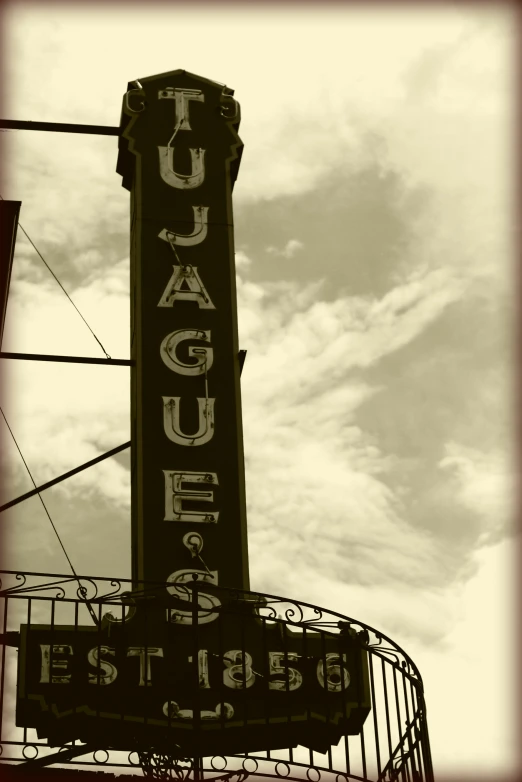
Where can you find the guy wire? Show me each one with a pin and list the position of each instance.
(90, 608)
(61, 286)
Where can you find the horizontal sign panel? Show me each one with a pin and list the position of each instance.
(233, 683)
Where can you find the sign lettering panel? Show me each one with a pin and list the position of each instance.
(179, 155)
(234, 683)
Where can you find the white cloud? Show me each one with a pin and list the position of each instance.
(40, 319)
(314, 478)
(317, 343)
(485, 484)
(242, 260)
(77, 411)
(69, 191)
(325, 528)
(288, 251)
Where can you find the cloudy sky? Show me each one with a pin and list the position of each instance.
(375, 227)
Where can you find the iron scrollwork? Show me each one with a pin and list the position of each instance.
(124, 599)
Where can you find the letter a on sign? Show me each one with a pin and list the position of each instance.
(185, 285)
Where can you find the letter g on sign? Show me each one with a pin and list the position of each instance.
(204, 355)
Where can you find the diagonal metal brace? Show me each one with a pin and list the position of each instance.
(56, 757)
(54, 481)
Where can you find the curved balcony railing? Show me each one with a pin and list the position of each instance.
(382, 734)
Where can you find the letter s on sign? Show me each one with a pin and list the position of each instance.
(206, 602)
(109, 670)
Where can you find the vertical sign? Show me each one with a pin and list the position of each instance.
(218, 677)
(179, 156)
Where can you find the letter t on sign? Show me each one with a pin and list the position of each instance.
(182, 98)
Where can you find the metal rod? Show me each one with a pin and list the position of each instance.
(397, 707)
(56, 757)
(54, 481)
(116, 362)
(375, 726)
(409, 729)
(119, 362)
(387, 711)
(2, 670)
(27, 639)
(417, 714)
(363, 743)
(60, 127)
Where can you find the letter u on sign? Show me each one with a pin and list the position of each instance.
(182, 181)
(171, 424)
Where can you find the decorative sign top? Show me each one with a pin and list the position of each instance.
(220, 114)
(179, 155)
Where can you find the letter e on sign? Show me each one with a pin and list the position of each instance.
(175, 495)
(59, 664)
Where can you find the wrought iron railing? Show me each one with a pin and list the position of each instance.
(381, 734)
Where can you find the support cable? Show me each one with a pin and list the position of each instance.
(61, 286)
(91, 610)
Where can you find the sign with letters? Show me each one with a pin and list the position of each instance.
(194, 662)
(231, 682)
(179, 156)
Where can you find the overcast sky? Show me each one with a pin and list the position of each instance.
(374, 227)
